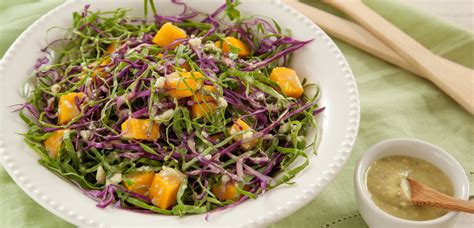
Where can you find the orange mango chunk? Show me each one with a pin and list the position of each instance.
(140, 129)
(164, 187)
(139, 182)
(67, 108)
(111, 48)
(183, 84)
(186, 66)
(227, 191)
(53, 143)
(203, 109)
(204, 95)
(237, 128)
(288, 81)
(99, 68)
(204, 103)
(234, 42)
(167, 34)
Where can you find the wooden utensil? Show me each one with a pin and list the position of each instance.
(423, 195)
(353, 34)
(457, 82)
(357, 36)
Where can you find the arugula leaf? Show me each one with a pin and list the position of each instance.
(231, 10)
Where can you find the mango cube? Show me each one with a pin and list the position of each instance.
(203, 109)
(205, 94)
(225, 191)
(164, 188)
(204, 104)
(186, 66)
(111, 48)
(67, 108)
(139, 182)
(237, 128)
(234, 42)
(183, 84)
(288, 81)
(53, 143)
(100, 67)
(167, 34)
(140, 129)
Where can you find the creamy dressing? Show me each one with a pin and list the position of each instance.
(386, 180)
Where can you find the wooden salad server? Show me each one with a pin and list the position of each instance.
(353, 34)
(455, 80)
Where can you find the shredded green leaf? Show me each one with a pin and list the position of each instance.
(191, 97)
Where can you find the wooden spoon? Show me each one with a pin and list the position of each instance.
(455, 81)
(423, 195)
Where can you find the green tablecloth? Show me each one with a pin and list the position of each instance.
(394, 104)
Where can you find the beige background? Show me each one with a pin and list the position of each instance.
(460, 12)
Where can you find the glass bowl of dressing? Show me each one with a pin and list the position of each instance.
(383, 194)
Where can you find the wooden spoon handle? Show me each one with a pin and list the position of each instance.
(353, 34)
(456, 81)
(357, 36)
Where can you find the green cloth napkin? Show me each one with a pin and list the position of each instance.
(394, 103)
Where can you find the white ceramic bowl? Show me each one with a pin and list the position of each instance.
(376, 217)
(320, 62)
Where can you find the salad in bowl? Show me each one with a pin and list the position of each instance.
(174, 115)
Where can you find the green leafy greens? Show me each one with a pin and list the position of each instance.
(114, 62)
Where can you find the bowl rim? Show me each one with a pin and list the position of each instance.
(363, 165)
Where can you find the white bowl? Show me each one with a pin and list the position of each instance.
(320, 62)
(376, 217)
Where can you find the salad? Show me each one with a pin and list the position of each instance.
(174, 115)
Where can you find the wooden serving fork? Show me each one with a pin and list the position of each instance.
(456, 81)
